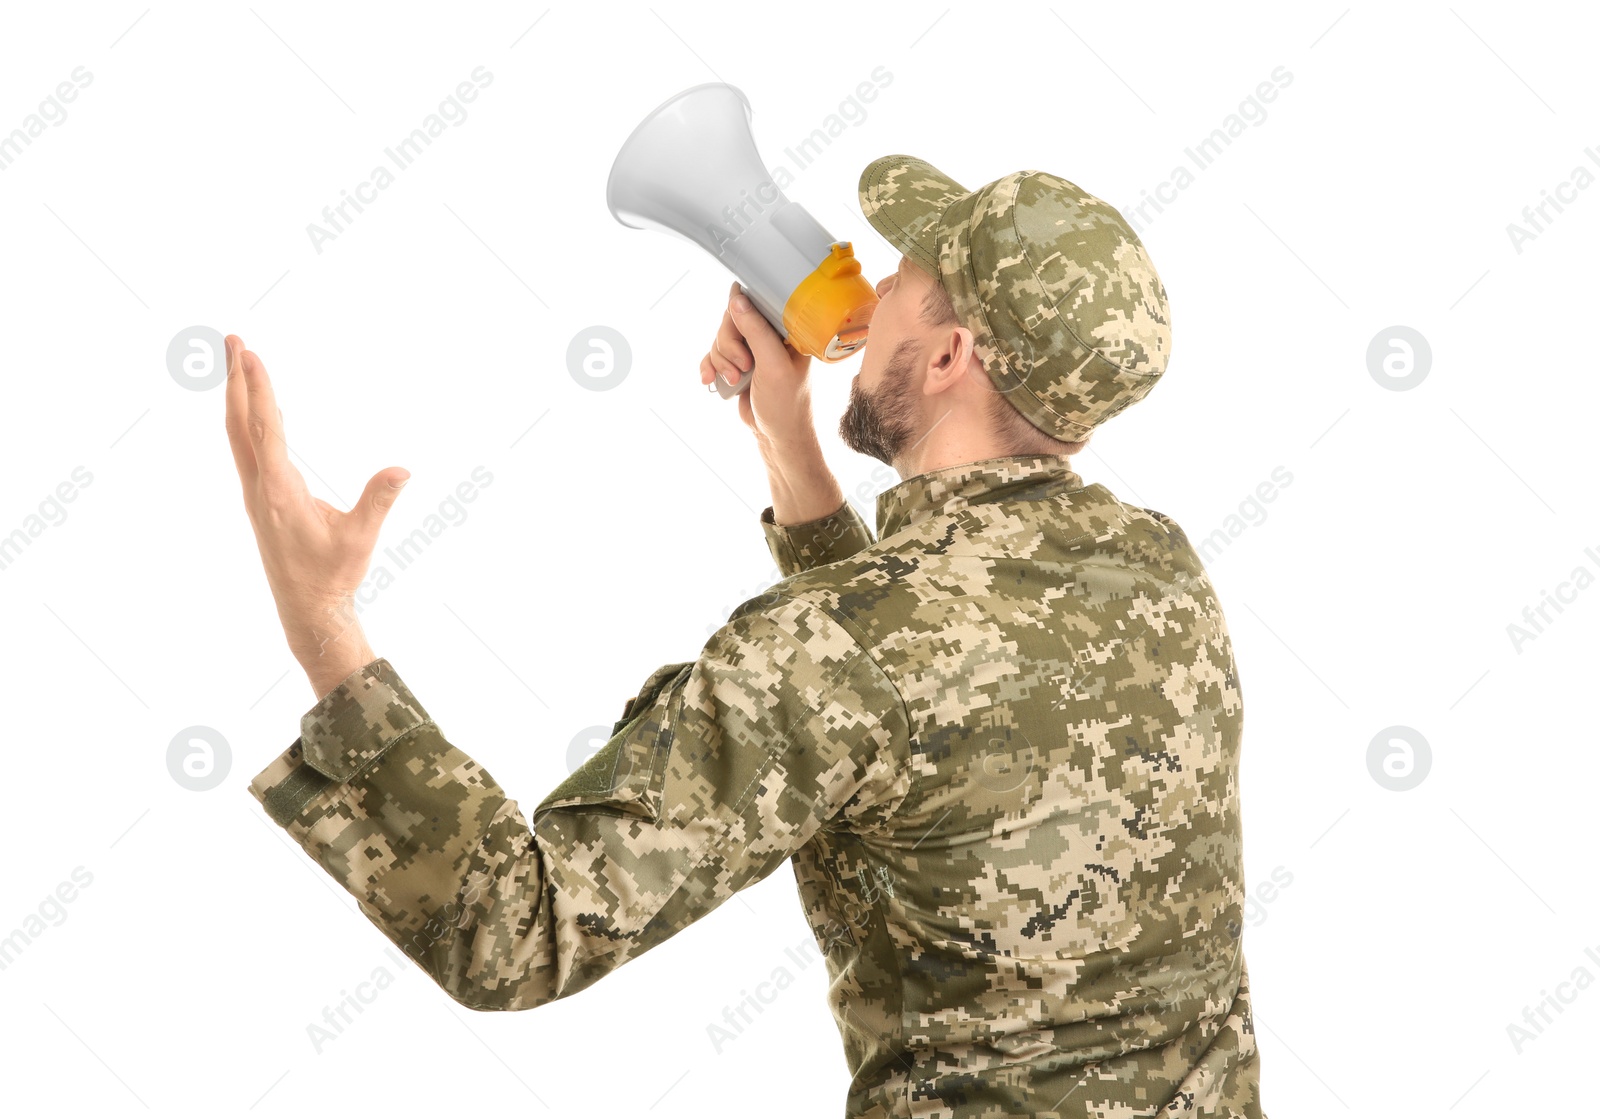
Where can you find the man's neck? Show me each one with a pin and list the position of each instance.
(947, 443)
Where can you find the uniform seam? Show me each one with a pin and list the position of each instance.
(863, 650)
(668, 731)
(772, 755)
(1086, 534)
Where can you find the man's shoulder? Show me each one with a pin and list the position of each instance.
(786, 625)
(831, 600)
(1158, 537)
(956, 550)
(956, 580)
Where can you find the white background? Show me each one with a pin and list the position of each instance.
(620, 527)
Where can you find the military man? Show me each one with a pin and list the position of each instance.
(998, 743)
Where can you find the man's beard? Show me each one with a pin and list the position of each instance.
(883, 425)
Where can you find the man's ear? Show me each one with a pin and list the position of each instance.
(948, 359)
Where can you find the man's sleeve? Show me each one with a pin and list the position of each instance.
(718, 771)
(797, 548)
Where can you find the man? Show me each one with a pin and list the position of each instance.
(999, 744)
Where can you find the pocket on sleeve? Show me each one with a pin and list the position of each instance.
(626, 774)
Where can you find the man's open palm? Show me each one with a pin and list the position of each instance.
(315, 556)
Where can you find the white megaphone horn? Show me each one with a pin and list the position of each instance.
(691, 169)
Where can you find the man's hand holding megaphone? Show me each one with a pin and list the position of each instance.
(777, 407)
(781, 410)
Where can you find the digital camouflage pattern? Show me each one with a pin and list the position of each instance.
(1067, 312)
(999, 746)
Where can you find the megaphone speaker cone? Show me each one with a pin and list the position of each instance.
(691, 168)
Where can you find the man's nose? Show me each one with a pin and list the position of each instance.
(882, 284)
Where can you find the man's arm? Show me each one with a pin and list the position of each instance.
(718, 771)
(809, 523)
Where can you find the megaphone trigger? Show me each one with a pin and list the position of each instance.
(727, 391)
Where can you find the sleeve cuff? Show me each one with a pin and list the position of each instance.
(340, 736)
(797, 548)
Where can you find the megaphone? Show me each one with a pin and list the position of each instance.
(691, 169)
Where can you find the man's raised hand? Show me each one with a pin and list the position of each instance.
(315, 556)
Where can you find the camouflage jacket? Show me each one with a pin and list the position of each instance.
(999, 746)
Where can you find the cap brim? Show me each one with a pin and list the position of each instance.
(902, 197)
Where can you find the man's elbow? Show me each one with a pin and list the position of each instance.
(500, 996)
(485, 971)
(511, 985)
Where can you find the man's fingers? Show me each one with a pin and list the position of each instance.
(376, 501)
(721, 364)
(755, 335)
(731, 340)
(731, 344)
(237, 418)
(266, 434)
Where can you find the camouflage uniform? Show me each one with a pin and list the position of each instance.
(999, 746)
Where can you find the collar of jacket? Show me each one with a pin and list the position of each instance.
(948, 488)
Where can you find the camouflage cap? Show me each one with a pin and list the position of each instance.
(1067, 312)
